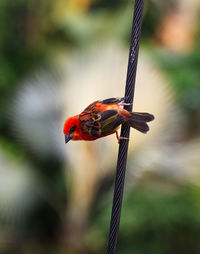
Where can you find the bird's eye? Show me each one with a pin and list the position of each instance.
(72, 129)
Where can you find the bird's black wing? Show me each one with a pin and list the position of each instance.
(101, 123)
(113, 100)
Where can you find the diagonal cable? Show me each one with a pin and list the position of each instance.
(123, 147)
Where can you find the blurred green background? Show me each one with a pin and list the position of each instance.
(57, 56)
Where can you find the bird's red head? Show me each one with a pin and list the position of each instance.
(71, 128)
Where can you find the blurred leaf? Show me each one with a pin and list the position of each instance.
(155, 221)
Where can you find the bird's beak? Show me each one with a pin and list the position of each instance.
(68, 138)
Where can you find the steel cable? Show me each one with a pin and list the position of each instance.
(125, 131)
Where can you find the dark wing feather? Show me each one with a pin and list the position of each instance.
(110, 119)
(101, 123)
(112, 100)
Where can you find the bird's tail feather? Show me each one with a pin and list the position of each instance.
(139, 121)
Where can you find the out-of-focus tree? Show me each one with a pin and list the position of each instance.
(158, 216)
(76, 33)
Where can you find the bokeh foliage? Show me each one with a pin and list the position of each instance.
(154, 220)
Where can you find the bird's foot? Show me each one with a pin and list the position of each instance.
(122, 103)
(120, 138)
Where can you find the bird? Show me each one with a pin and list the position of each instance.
(102, 118)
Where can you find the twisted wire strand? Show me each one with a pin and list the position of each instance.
(125, 131)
